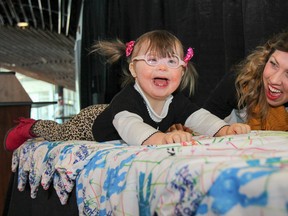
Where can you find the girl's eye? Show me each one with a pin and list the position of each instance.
(171, 61)
(152, 59)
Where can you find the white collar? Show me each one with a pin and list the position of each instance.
(152, 113)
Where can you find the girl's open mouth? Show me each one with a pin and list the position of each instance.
(161, 82)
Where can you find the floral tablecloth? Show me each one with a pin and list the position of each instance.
(231, 175)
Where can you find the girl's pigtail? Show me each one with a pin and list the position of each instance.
(111, 50)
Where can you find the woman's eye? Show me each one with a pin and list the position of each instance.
(273, 64)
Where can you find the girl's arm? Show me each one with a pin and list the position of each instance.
(203, 122)
(134, 131)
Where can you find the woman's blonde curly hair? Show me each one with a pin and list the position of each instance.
(249, 82)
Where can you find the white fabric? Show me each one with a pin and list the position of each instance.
(114, 179)
(131, 128)
(204, 122)
(152, 113)
(236, 116)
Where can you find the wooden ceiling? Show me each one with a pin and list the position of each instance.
(45, 49)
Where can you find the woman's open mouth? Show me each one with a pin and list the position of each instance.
(273, 93)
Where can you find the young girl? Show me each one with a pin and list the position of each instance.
(146, 107)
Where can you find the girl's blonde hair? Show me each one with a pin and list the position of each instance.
(249, 82)
(161, 41)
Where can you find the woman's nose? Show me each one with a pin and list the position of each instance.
(276, 78)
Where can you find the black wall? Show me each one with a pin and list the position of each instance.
(222, 32)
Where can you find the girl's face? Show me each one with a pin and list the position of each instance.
(159, 81)
(275, 78)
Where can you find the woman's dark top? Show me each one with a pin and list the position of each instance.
(223, 98)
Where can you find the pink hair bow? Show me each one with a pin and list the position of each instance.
(189, 55)
(129, 48)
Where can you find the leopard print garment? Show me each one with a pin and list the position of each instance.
(78, 127)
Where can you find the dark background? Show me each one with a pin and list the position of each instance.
(222, 32)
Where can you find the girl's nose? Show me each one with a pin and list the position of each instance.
(162, 65)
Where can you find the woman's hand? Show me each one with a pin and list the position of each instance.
(237, 128)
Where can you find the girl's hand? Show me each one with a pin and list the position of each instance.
(176, 136)
(179, 127)
(237, 128)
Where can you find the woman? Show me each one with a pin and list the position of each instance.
(257, 93)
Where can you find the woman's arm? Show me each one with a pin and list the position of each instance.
(223, 98)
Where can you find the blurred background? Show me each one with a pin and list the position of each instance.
(46, 43)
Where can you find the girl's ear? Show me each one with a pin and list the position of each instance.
(132, 70)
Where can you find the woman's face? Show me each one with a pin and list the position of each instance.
(157, 82)
(275, 78)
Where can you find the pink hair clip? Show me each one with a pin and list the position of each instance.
(129, 48)
(189, 55)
